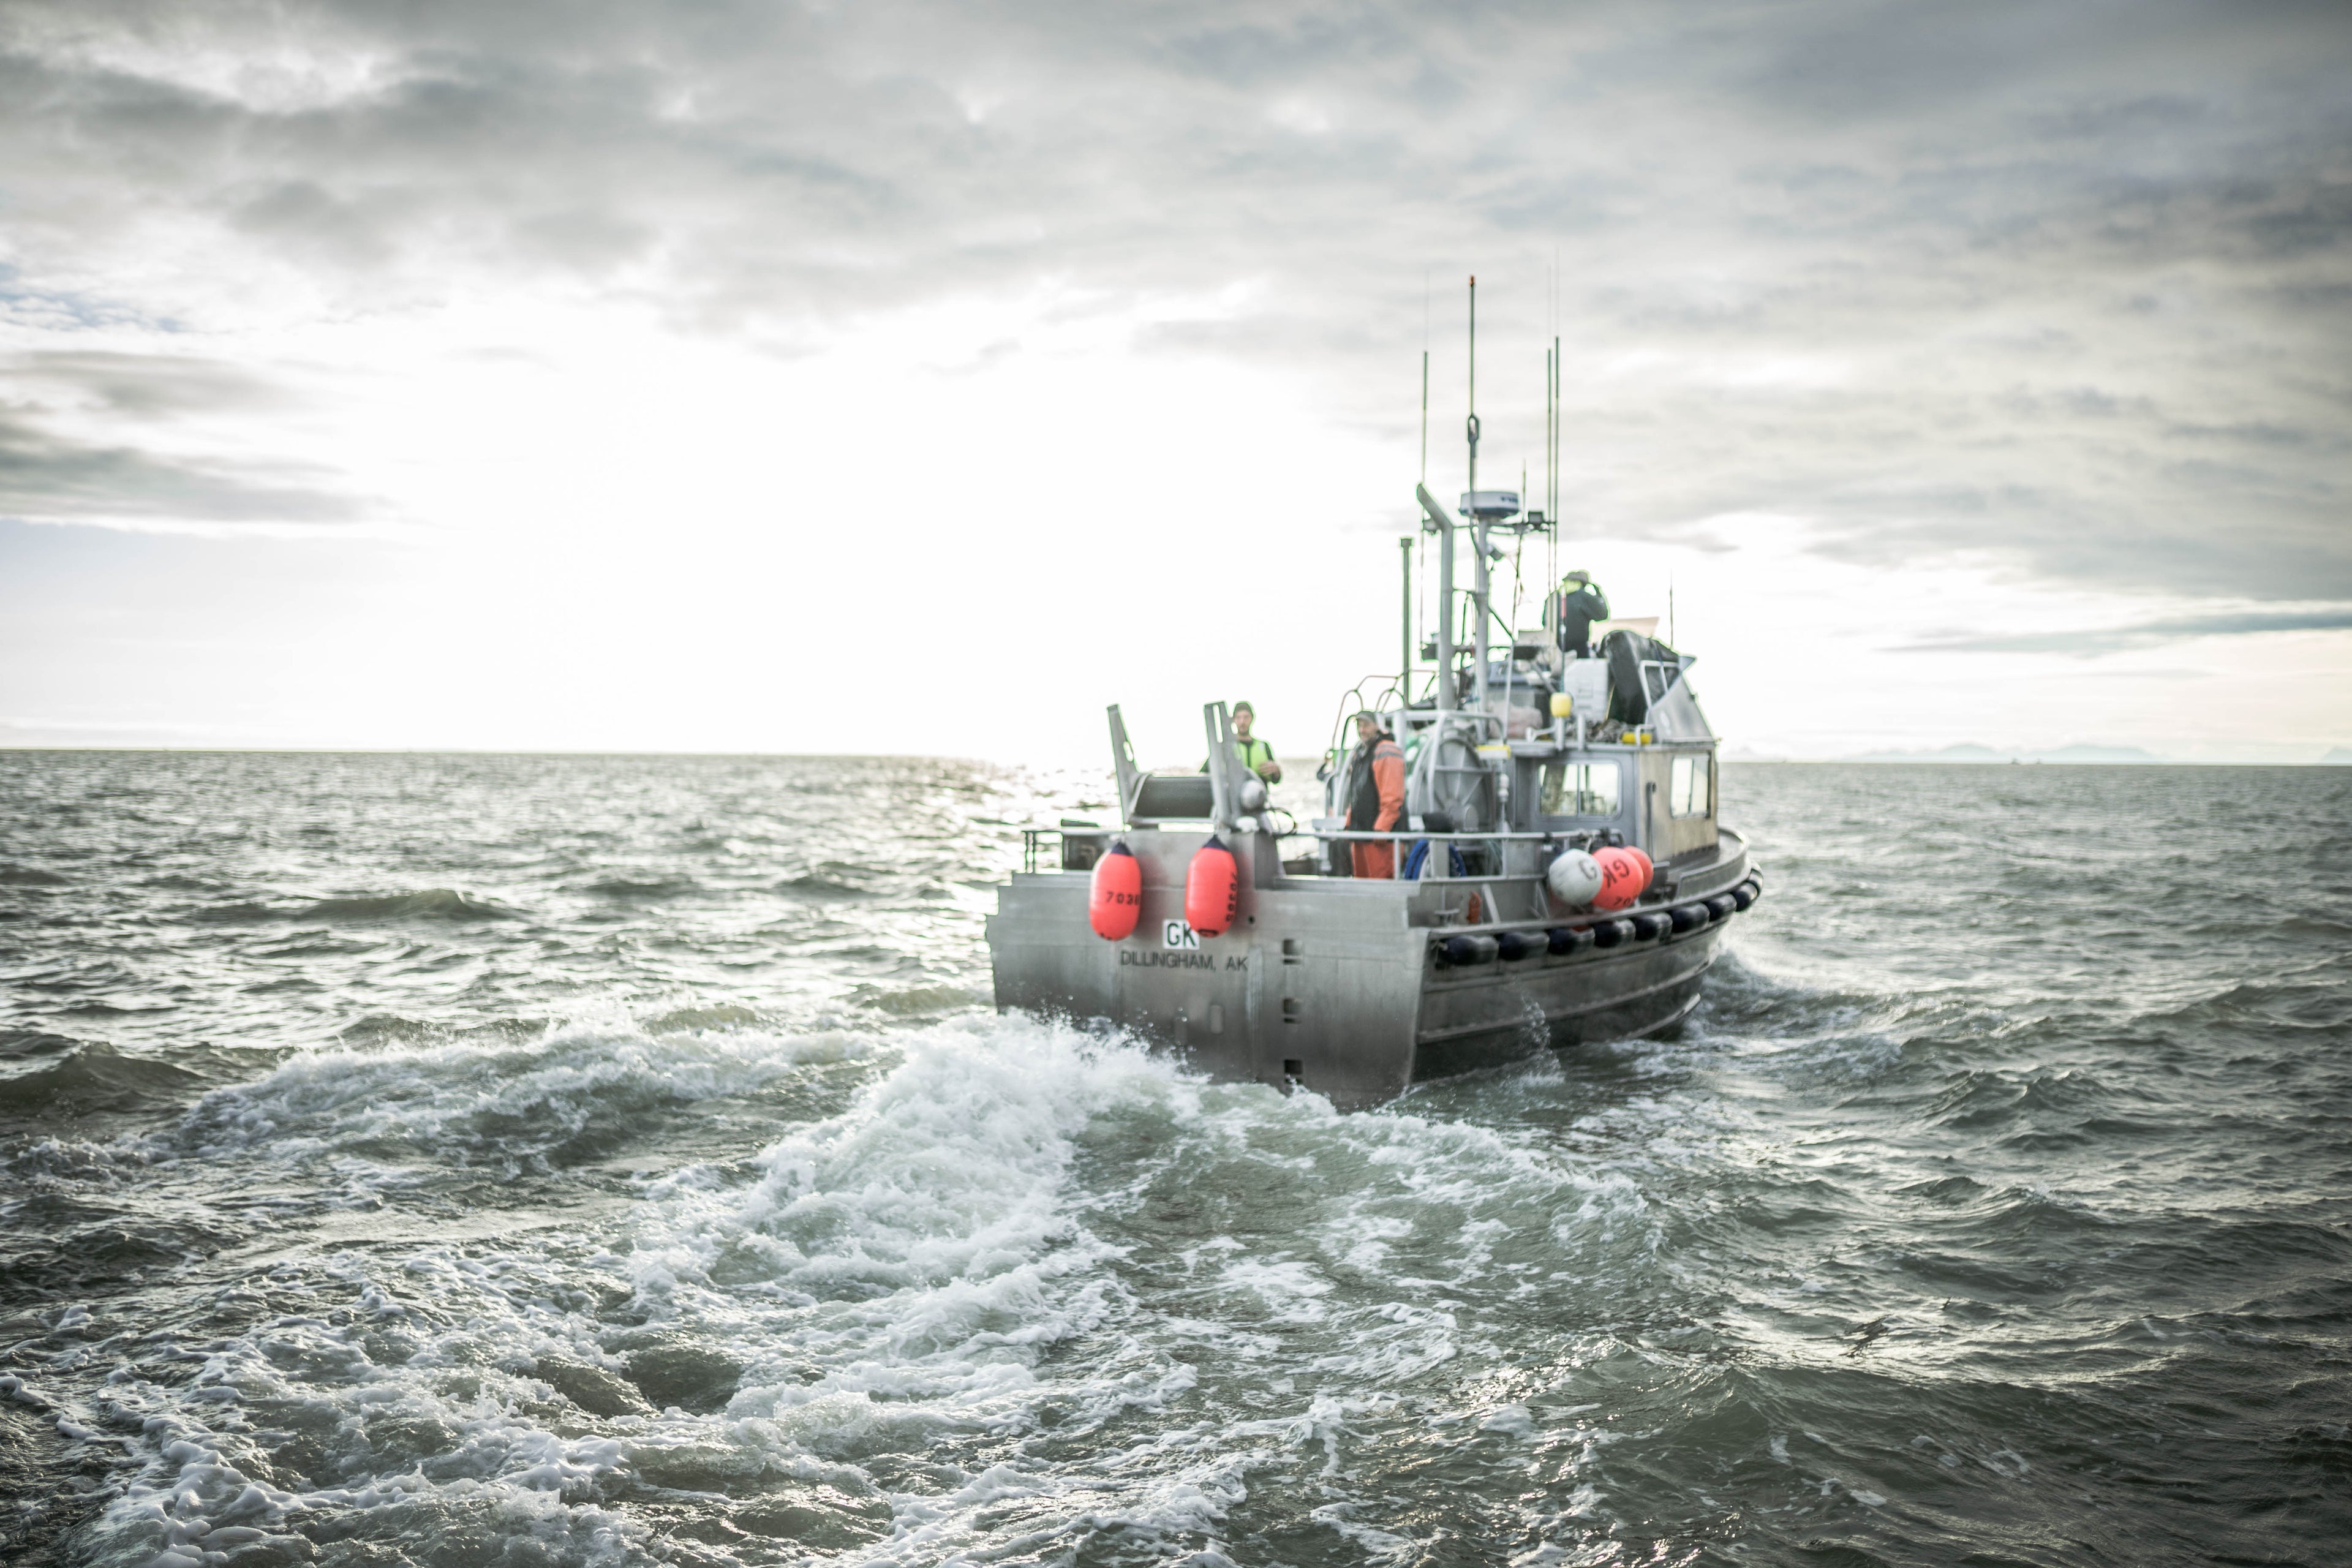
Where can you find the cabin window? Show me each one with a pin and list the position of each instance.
(1687, 794)
(1580, 789)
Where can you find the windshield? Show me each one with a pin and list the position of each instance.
(1582, 789)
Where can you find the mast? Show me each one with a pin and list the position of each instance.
(1437, 521)
(1404, 690)
(1551, 467)
(1481, 596)
(1473, 426)
(1404, 679)
(1477, 524)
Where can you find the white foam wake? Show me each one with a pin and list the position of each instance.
(942, 1333)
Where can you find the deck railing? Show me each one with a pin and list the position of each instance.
(1038, 843)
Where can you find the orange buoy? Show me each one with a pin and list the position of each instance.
(1115, 899)
(1212, 889)
(1624, 873)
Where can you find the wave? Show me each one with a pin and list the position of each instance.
(956, 1163)
(918, 1001)
(549, 1098)
(724, 1015)
(1991, 1097)
(633, 890)
(427, 904)
(940, 1279)
(431, 903)
(244, 912)
(377, 1030)
(809, 885)
(2315, 1001)
(46, 1074)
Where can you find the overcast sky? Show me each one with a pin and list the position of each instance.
(922, 377)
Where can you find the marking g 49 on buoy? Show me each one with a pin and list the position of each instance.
(1212, 888)
(1115, 900)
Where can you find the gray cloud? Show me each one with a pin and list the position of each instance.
(2146, 634)
(54, 476)
(44, 478)
(140, 385)
(2059, 284)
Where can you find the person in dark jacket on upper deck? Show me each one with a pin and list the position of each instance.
(1573, 611)
(1379, 803)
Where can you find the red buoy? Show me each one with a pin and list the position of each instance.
(1116, 900)
(1212, 889)
(1624, 874)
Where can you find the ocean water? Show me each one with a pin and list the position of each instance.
(486, 1160)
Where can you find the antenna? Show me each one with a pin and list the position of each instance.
(1483, 594)
(1557, 386)
(1551, 485)
(1472, 427)
(1551, 466)
(1553, 399)
(1424, 416)
(1425, 374)
(1547, 451)
(1404, 676)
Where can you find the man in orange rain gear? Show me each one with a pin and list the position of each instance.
(1378, 804)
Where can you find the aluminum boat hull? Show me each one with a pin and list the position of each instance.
(1337, 985)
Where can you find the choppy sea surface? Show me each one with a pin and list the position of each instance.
(531, 1160)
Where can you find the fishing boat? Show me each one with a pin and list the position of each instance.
(1560, 876)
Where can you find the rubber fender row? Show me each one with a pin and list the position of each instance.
(1562, 941)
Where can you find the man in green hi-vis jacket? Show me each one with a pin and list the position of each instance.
(1256, 755)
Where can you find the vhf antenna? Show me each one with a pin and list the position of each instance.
(1473, 425)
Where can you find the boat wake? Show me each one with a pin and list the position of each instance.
(948, 1318)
